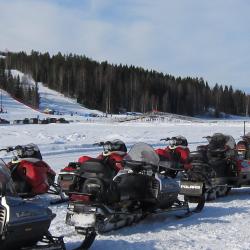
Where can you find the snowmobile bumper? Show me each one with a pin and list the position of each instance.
(84, 219)
(190, 188)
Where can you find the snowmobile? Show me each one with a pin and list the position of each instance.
(175, 156)
(71, 179)
(215, 166)
(243, 150)
(139, 189)
(23, 224)
(31, 175)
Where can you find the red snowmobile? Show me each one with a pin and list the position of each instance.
(72, 178)
(31, 175)
(175, 157)
(243, 149)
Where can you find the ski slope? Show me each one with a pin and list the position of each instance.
(49, 99)
(55, 101)
(14, 109)
(224, 224)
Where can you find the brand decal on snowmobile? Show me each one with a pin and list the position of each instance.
(193, 189)
(190, 187)
(28, 229)
(23, 214)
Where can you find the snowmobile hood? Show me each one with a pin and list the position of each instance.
(142, 152)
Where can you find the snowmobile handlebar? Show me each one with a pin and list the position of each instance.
(3, 149)
(99, 144)
(165, 139)
(10, 149)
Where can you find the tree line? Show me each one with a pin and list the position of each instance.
(112, 88)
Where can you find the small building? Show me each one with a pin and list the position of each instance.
(49, 111)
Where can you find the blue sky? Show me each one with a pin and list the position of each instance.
(209, 39)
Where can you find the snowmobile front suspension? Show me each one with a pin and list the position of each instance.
(90, 235)
(55, 189)
(200, 200)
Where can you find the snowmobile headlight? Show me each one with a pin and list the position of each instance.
(107, 148)
(172, 142)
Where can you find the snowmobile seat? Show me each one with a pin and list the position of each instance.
(198, 156)
(96, 168)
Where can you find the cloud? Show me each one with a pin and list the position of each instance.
(208, 39)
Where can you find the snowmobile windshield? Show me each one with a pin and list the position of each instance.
(28, 151)
(142, 152)
(6, 184)
(217, 141)
(178, 140)
(115, 145)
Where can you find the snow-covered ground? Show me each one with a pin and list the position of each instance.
(223, 224)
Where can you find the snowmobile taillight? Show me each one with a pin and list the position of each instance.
(118, 166)
(80, 197)
(188, 166)
(69, 169)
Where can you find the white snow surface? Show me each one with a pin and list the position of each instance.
(223, 224)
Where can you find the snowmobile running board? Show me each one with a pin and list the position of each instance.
(48, 242)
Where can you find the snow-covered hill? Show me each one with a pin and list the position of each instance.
(60, 104)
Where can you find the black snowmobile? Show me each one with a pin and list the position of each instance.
(141, 188)
(71, 178)
(23, 224)
(214, 166)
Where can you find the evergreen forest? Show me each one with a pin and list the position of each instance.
(115, 88)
